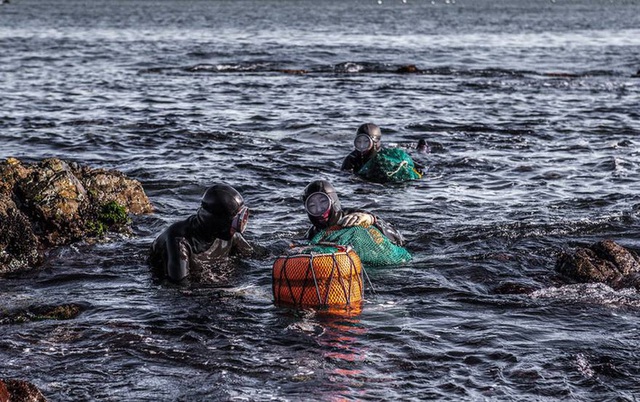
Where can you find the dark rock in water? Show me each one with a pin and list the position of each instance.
(4, 392)
(509, 288)
(293, 72)
(408, 69)
(39, 313)
(19, 246)
(561, 75)
(54, 203)
(604, 262)
(19, 391)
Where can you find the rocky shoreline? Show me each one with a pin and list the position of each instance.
(54, 203)
(49, 204)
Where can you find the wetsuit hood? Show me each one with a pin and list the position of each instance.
(335, 212)
(219, 205)
(373, 132)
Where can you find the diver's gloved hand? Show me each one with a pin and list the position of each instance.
(357, 219)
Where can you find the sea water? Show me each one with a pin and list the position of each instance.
(531, 110)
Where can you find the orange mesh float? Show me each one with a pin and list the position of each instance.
(318, 276)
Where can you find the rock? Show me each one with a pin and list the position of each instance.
(39, 313)
(561, 75)
(53, 195)
(19, 391)
(4, 392)
(603, 262)
(105, 186)
(11, 172)
(408, 69)
(54, 203)
(506, 288)
(19, 246)
(293, 72)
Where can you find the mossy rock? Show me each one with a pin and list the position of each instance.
(41, 313)
(111, 217)
(55, 203)
(19, 246)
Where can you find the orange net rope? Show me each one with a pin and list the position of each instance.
(318, 276)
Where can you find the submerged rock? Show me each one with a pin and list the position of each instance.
(19, 391)
(507, 288)
(53, 203)
(603, 262)
(293, 72)
(408, 69)
(39, 313)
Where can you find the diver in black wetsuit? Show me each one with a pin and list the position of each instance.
(367, 144)
(323, 209)
(214, 231)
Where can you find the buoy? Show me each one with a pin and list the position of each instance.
(318, 276)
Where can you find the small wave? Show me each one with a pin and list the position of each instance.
(83, 122)
(584, 367)
(363, 67)
(37, 122)
(592, 293)
(223, 68)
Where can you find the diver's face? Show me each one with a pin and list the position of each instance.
(364, 143)
(318, 206)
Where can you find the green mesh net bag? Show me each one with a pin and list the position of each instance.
(372, 246)
(390, 165)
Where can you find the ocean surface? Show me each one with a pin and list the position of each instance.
(532, 113)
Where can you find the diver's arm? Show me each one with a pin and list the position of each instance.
(177, 262)
(352, 162)
(347, 164)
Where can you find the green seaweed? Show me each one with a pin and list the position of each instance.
(113, 213)
(110, 214)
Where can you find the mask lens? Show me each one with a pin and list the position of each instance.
(239, 223)
(318, 204)
(363, 143)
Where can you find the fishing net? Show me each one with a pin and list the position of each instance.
(372, 246)
(390, 165)
(318, 276)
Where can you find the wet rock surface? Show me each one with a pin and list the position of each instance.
(20, 248)
(40, 313)
(54, 202)
(408, 69)
(603, 262)
(19, 391)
